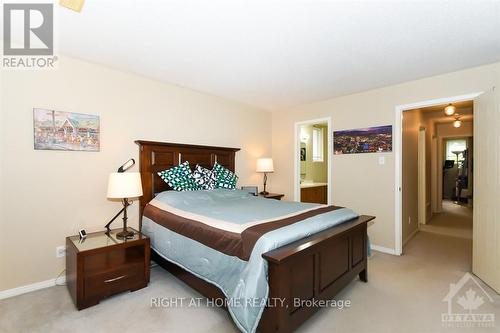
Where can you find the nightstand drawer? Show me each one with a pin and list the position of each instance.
(102, 265)
(114, 281)
(112, 259)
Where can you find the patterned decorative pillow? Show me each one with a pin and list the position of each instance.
(225, 178)
(179, 178)
(204, 178)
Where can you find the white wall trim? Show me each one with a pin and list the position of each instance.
(31, 287)
(296, 164)
(383, 249)
(398, 138)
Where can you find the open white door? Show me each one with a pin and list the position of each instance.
(486, 223)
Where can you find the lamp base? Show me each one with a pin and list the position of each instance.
(125, 234)
(264, 193)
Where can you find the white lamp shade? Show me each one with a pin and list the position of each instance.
(265, 165)
(124, 185)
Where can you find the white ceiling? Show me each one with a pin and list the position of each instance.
(279, 53)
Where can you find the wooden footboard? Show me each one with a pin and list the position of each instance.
(314, 268)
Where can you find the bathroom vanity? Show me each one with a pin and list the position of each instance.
(314, 192)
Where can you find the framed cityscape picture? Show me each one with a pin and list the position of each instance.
(57, 130)
(363, 140)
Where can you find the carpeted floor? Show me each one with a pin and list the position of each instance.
(404, 294)
(455, 220)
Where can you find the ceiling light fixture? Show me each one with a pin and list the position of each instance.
(457, 123)
(449, 110)
(75, 5)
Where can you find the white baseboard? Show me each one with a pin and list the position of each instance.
(383, 249)
(31, 287)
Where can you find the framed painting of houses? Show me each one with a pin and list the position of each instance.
(57, 130)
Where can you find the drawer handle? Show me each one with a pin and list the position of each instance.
(114, 279)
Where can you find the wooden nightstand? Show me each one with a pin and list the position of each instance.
(102, 265)
(276, 196)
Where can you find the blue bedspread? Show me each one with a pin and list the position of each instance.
(243, 282)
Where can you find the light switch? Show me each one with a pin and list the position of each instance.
(381, 160)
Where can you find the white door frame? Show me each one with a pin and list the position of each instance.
(422, 177)
(296, 177)
(398, 155)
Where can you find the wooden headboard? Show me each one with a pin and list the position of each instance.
(159, 156)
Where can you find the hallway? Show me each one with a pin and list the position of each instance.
(455, 220)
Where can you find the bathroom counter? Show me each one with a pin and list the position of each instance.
(308, 185)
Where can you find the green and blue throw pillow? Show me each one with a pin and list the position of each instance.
(224, 178)
(179, 178)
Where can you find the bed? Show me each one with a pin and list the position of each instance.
(314, 266)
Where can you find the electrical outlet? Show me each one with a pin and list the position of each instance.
(61, 251)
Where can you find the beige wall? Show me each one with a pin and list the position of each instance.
(48, 195)
(358, 180)
(315, 171)
(412, 121)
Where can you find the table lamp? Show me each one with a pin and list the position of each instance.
(265, 165)
(124, 185)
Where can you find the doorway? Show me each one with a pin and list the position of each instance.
(457, 181)
(427, 117)
(313, 149)
(451, 186)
